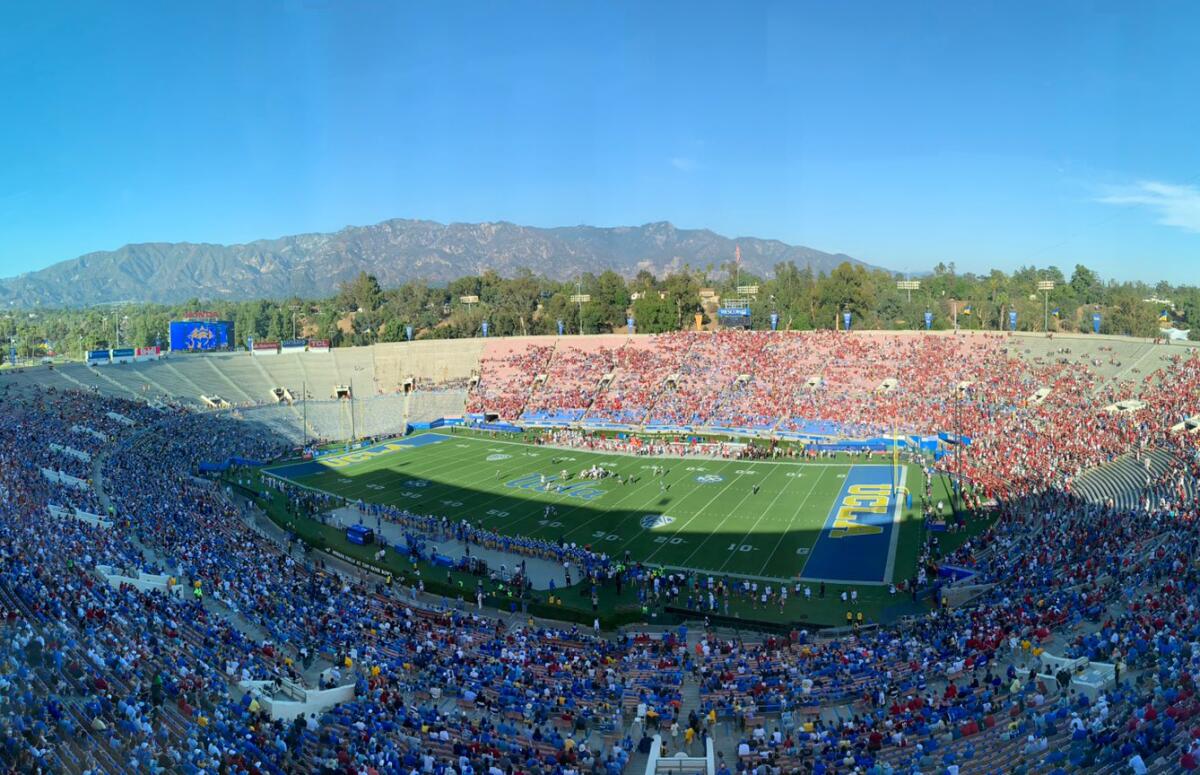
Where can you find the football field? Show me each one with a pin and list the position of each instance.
(837, 521)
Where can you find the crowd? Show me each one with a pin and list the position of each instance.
(106, 679)
(571, 380)
(824, 383)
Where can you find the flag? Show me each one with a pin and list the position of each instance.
(967, 310)
(1163, 317)
(1056, 313)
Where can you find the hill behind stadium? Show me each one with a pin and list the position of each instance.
(395, 251)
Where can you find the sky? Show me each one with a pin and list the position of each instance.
(905, 134)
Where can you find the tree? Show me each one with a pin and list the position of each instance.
(846, 289)
(654, 314)
(361, 293)
(609, 303)
(1085, 284)
(1127, 314)
(792, 292)
(683, 294)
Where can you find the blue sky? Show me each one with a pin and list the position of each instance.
(988, 134)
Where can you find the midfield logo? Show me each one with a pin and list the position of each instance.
(652, 521)
(581, 490)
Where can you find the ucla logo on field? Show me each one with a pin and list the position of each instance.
(361, 456)
(710, 479)
(417, 483)
(496, 457)
(550, 484)
(857, 513)
(653, 521)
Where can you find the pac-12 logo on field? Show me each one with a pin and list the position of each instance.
(652, 521)
(710, 479)
(417, 483)
(497, 457)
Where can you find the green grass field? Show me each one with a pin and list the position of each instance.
(701, 514)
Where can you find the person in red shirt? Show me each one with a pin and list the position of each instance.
(1189, 762)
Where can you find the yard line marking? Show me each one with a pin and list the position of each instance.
(713, 532)
(472, 508)
(784, 534)
(736, 478)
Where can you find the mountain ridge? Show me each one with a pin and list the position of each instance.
(312, 264)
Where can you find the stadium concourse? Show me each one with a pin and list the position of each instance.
(139, 600)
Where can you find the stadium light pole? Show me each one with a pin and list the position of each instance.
(909, 286)
(1045, 286)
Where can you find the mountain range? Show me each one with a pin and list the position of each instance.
(395, 251)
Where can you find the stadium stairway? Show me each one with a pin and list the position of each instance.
(89, 378)
(661, 393)
(1122, 481)
(229, 387)
(185, 388)
(140, 379)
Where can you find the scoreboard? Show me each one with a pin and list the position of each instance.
(200, 335)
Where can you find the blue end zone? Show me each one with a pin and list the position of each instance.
(423, 440)
(856, 538)
(296, 470)
(342, 459)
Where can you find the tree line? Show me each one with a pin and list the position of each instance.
(362, 312)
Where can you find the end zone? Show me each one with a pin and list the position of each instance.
(857, 543)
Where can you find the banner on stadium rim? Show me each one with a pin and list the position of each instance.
(122, 354)
(266, 348)
(97, 356)
(294, 345)
(846, 320)
(485, 329)
(318, 345)
(147, 354)
(1095, 322)
(408, 332)
(629, 324)
(774, 321)
(560, 328)
(1012, 320)
(928, 320)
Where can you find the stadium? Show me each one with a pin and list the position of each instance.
(600, 388)
(814, 551)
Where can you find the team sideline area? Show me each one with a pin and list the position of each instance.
(176, 596)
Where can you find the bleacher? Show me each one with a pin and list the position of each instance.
(1123, 482)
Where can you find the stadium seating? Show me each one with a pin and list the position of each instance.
(1093, 555)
